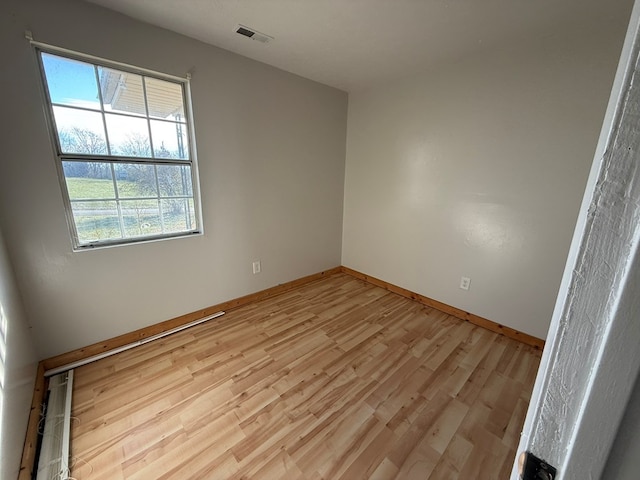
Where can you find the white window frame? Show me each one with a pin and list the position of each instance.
(113, 160)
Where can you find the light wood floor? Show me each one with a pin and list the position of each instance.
(336, 379)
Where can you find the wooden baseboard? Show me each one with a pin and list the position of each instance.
(140, 334)
(136, 335)
(31, 437)
(30, 445)
(456, 312)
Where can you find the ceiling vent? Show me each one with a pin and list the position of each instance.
(253, 34)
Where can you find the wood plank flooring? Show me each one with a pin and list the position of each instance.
(337, 379)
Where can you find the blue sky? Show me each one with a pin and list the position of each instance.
(71, 82)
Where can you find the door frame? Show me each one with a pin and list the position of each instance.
(591, 358)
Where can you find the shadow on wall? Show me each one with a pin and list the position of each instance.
(624, 458)
(18, 366)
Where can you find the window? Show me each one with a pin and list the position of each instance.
(124, 151)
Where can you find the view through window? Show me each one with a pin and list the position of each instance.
(124, 152)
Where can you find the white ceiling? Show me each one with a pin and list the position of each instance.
(351, 44)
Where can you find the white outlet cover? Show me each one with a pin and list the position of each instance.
(465, 283)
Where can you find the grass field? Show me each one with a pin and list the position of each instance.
(99, 216)
(86, 188)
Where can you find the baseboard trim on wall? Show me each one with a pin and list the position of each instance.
(28, 461)
(31, 436)
(30, 445)
(443, 307)
(158, 328)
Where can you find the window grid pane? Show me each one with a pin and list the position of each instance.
(81, 92)
(128, 135)
(118, 201)
(165, 99)
(80, 131)
(96, 221)
(113, 115)
(122, 92)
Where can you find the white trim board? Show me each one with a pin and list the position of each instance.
(591, 358)
(113, 351)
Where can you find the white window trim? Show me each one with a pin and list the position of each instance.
(59, 157)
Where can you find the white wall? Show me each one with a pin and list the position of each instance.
(271, 149)
(18, 364)
(477, 169)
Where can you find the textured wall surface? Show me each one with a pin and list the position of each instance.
(271, 149)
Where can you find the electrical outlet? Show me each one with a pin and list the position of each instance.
(465, 282)
(256, 267)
